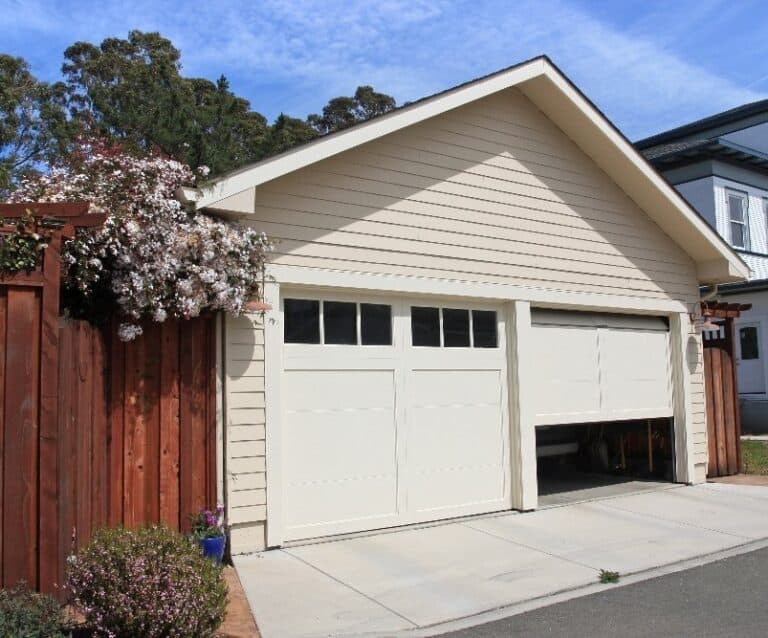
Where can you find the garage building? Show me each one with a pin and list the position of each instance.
(465, 292)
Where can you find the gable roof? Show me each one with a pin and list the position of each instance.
(680, 153)
(562, 102)
(718, 120)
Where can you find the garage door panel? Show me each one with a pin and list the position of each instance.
(636, 371)
(457, 491)
(602, 367)
(335, 503)
(451, 427)
(397, 434)
(454, 387)
(566, 371)
(339, 389)
(368, 448)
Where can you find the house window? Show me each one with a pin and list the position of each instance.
(748, 343)
(738, 218)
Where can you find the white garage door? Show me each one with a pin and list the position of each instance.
(394, 412)
(592, 367)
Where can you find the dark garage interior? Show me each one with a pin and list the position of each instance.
(595, 460)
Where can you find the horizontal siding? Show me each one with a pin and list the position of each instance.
(698, 413)
(489, 193)
(246, 431)
(492, 192)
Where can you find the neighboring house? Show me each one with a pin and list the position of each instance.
(720, 165)
(453, 280)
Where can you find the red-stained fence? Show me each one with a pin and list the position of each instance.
(94, 431)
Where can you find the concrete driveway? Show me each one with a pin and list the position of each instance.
(431, 579)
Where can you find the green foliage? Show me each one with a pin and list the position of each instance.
(26, 614)
(20, 250)
(32, 120)
(285, 133)
(131, 91)
(343, 112)
(608, 577)
(150, 582)
(754, 456)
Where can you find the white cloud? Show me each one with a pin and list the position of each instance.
(301, 52)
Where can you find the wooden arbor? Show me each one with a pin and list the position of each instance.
(722, 396)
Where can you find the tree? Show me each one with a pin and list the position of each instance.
(343, 112)
(285, 133)
(32, 118)
(132, 91)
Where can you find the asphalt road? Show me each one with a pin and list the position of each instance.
(725, 598)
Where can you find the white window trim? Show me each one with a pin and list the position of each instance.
(744, 196)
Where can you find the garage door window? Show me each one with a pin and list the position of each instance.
(484, 329)
(340, 320)
(453, 328)
(375, 324)
(302, 321)
(340, 323)
(425, 326)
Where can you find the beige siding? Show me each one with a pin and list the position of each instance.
(698, 408)
(492, 192)
(245, 448)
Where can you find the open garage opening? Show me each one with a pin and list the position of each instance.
(596, 460)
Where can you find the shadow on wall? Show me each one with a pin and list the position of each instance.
(245, 346)
(490, 192)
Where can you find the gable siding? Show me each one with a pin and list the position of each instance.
(492, 192)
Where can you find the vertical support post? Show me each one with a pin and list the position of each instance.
(683, 344)
(730, 336)
(273, 365)
(220, 440)
(521, 417)
(650, 447)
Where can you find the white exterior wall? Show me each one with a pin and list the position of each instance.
(758, 222)
(757, 315)
(489, 194)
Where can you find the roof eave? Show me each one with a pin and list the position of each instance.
(551, 91)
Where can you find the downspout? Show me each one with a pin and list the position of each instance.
(711, 294)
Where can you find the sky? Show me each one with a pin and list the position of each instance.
(648, 65)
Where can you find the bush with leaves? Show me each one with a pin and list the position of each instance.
(152, 257)
(20, 250)
(150, 582)
(26, 614)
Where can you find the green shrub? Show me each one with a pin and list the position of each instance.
(26, 614)
(149, 582)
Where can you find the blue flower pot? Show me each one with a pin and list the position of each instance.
(213, 548)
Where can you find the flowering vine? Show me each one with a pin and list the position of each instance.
(152, 257)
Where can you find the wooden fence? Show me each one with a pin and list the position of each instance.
(722, 396)
(94, 431)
